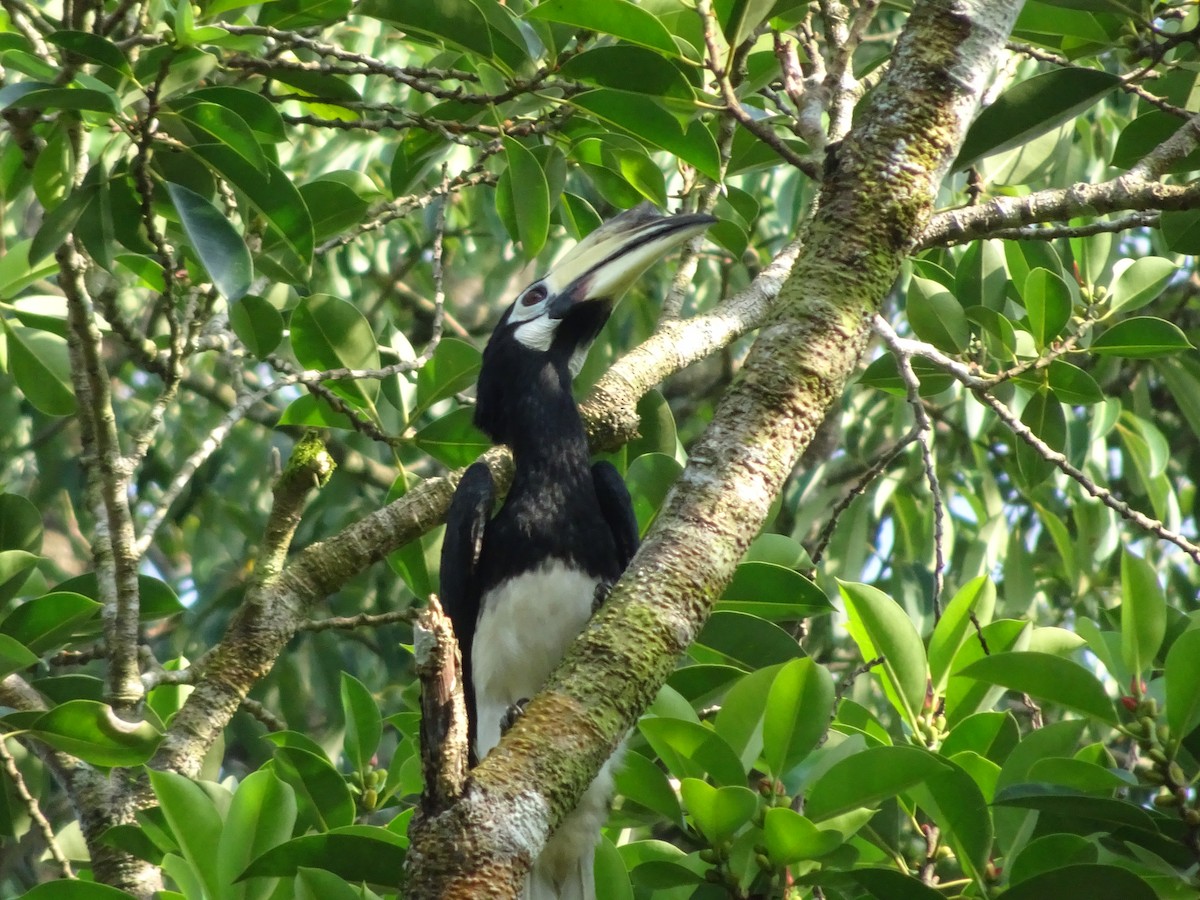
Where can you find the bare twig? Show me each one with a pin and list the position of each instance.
(924, 437)
(34, 810)
(362, 620)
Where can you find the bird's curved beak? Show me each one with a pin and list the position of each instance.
(605, 263)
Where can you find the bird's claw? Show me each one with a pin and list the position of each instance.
(603, 589)
(514, 712)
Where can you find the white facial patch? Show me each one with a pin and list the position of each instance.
(537, 334)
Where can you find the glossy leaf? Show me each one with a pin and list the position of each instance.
(38, 361)
(936, 316)
(530, 197)
(739, 639)
(14, 655)
(74, 890)
(1097, 882)
(46, 622)
(95, 734)
(321, 793)
(797, 714)
(1143, 613)
(1031, 108)
(774, 592)
(641, 117)
(717, 812)
(867, 778)
(1044, 416)
(649, 478)
(974, 603)
(451, 369)
(690, 750)
(257, 323)
(217, 243)
(1048, 301)
(881, 628)
(194, 821)
(1045, 677)
(1183, 684)
(619, 18)
(355, 852)
(790, 837)
(1140, 282)
(1142, 337)
(260, 817)
(364, 727)
(453, 439)
(330, 333)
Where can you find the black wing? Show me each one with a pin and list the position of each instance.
(617, 507)
(465, 522)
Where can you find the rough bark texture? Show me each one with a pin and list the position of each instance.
(874, 205)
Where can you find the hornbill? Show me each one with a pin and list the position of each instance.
(519, 586)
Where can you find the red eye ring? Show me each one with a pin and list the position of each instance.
(535, 294)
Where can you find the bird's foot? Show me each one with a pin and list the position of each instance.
(514, 712)
(603, 589)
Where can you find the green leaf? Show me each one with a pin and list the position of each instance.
(38, 362)
(643, 118)
(15, 567)
(867, 778)
(689, 750)
(790, 837)
(313, 412)
(888, 884)
(95, 734)
(46, 622)
(213, 123)
(459, 23)
(217, 243)
(453, 439)
(260, 817)
(194, 821)
(773, 592)
(739, 639)
(451, 369)
(356, 852)
(14, 656)
(92, 47)
(626, 68)
(1140, 282)
(1182, 674)
(1096, 882)
(1142, 337)
(334, 205)
(273, 195)
(641, 781)
(253, 108)
(330, 333)
(1181, 230)
(612, 878)
(257, 323)
(881, 628)
(1032, 108)
(883, 374)
(649, 478)
(30, 95)
(322, 794)
(1050, 852)
(936, 316)
(619, 18)
(1048, 301)
(1072, 385)
(717, 812)
(976, 598)
(530, 197)
(1044, 416)
(1143, 613)
(957, 805)
(797, 714)
(1045, 677)
(157, 599)
(364, 727)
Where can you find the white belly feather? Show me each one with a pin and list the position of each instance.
(523, 632)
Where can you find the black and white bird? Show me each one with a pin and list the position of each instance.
(519, 586)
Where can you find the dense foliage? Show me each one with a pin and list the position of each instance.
(962, 659)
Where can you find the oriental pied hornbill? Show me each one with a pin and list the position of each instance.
(520, 586)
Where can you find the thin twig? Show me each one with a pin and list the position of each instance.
(924, 437)
(35, 812)
(362, 620)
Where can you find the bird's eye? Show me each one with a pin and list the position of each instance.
(534, 295)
